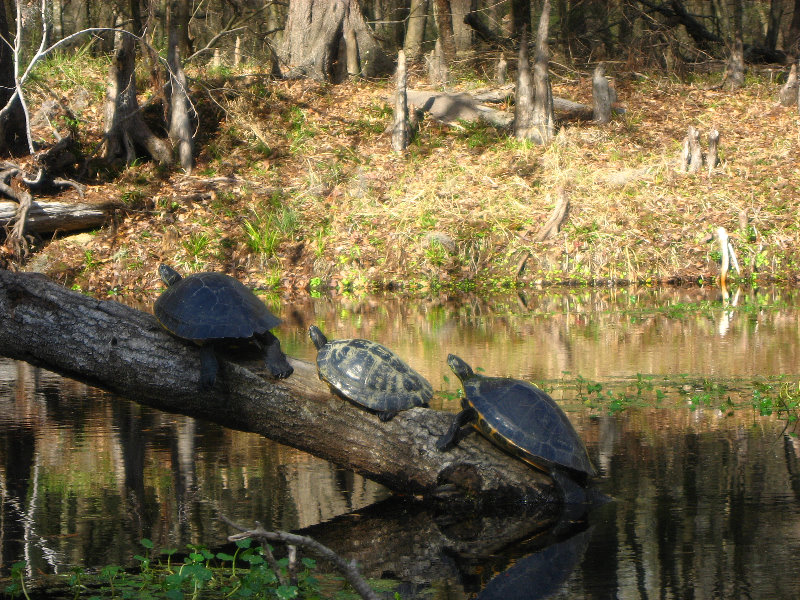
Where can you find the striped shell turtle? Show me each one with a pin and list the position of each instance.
(522, 420)
(369, 374)
(214, 310)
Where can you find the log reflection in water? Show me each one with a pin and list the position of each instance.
(422, 547)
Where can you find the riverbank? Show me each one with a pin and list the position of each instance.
(296, 190)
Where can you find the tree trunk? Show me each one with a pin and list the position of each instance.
(543, 120)
(126, 352)
(180, 126)
(124, 127)
(520, 17)
(314, 33)
(137, 26)
(13, 134)
(400, 131)
(601, 95)
(774, 25)
(735, 76)
(523, 99)
(415, 34)
(444, 23)
(792, 41)
(463, 33)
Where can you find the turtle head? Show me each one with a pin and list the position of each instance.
(317, 337)
(168, 275)
(460, 368)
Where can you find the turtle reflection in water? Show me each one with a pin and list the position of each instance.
(215, 310)
(524, 421)
(369, 374)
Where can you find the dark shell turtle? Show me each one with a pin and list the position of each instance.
(522, 420)
(213, 309)
(369, 374)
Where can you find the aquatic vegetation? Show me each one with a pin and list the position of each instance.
(250, 572)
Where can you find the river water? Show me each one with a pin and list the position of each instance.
(677, 393)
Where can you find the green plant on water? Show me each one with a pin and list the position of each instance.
(247, 573)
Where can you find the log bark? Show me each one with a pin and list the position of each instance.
(125, 351)
(48, 216)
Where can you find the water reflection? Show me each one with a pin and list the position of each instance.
(707, 501)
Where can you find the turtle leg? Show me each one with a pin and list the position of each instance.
(451, 438)
(387, 415)
(274, 357)
(208, 367)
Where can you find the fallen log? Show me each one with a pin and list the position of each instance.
(125, 351)
(48, 216)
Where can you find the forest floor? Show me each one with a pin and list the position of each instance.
(297, 190)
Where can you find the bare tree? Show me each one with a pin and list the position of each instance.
(415, 32)
(180, 129)
(124, 127)
(444, 22)
(13, 124)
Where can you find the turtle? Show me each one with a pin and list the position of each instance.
(369, 374)
(216, 311)
(524, 421)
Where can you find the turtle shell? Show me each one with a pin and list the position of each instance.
(212, 306)
(526, 422)
(370, 374)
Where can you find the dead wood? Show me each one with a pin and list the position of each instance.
(789, 92)
(347, 568)
(125, 351)
(556, 219)
(436, 66)
(550, 228)
(501, 70)
(692, 154)
(47, 216)
(400, 131)
(601, 95)
(713, 147)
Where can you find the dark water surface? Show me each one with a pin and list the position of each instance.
(667, 387)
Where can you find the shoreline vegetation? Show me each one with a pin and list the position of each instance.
(297, 190)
